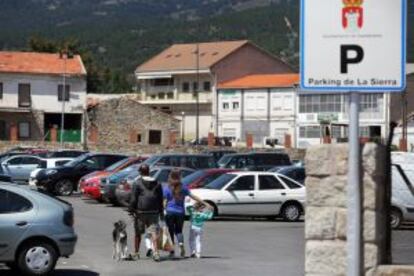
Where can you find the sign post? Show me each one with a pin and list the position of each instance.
(353, 46)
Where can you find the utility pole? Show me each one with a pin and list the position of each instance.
(197, 96)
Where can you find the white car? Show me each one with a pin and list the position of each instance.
(264, 194)
(50, 163)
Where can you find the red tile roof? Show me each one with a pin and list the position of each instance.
(39, 63)
(182, 56)
(261, 81)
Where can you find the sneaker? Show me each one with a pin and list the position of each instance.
(198, 256)
(182, 250)
(156, 257)
(193, 255)
(149, 253)
(171, 255)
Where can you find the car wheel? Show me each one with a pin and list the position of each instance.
(395, 218)
(291, 212)
(37, 258)
(64, 187)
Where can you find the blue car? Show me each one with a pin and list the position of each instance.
(295, 172)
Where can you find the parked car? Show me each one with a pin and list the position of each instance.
(201, 178)
(89, 184)
(295, 172)
(253, 194)
(402, 201)
(50, 163)
(254, 161)
(108, 184)
(218, 154)
(161, 174)
(65, 153)
(193, 161)
(28, 242)
(19, 167)
(64, 180)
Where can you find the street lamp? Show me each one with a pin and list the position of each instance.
(182, 127)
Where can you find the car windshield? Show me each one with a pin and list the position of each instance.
(116, 165)
(152, 160)
(224, 160)
(76, 161)
(220, 182)
(124, 173)
(192, 177)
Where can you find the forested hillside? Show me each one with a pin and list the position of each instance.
(121, 34)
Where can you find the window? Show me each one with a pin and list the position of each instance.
(66, 94)
(310, 132)
(163, 176)
(243, 183)
(24, 97)
(291, 184)
(13, 203)
(154, 137)
(162, 82)
(207, 86)
(186, 87)
(269, 182)
(3, 132)
(15, 161)
(24, 130)
(1, 90)
(139, 138)
(327, 103)
(226, 106)
(195, 86)
(236, 105)
(91, 163)
(30, 161)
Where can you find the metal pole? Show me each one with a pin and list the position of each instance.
(197, 98)
(355, 256)
(182, 127)
(62, 123)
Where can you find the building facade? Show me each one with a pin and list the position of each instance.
(172, 80)
(323, 118)
(123, 120)
(32, 95)
(260, 105)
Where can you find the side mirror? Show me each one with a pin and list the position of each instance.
(230, 189)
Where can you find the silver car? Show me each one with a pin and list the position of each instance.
(402, 201)
(35, 230)
(19, 167)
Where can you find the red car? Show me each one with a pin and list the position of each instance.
(89, 184)
(201, 178)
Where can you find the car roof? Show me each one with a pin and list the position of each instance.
(183, 154)
(257, 153)
(254, 173)
(24, 155)
(171, 168)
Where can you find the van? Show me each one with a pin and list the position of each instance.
(254, 161)
(402, 201)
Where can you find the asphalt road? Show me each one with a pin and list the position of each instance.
(231, 247)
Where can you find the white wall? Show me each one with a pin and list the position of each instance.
(44, 92)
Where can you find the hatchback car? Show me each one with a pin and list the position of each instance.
(64, 180)
(254, 161)
(89, 184)
(253, 194)
(161, 174)
(19, 167)
(27, 240)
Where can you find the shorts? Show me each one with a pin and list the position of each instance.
(149, 222)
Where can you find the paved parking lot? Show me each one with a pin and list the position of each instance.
(231, 247)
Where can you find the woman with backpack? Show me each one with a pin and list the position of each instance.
(174, 198)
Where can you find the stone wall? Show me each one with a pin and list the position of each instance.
(123, 120)
(326, 211)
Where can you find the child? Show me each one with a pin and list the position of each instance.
(198, 215)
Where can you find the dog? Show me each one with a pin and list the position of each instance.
(120, 241)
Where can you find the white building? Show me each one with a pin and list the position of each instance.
(171, 80)
(326, 116)
(32, 94)
(261, 105)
